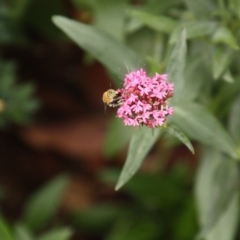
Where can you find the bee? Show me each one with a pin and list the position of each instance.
(112, 98)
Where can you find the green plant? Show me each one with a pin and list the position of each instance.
(16, 102)
(196, 44)
(39, 211)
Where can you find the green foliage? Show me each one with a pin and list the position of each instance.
(201, 125)
(17, 103)
(11, 14)
(197, 44)
(175, 69)
(176, 132)
(98, 218)
(217, 195)
(141, 142)
(5, 231)
(234, 121)
(57, 234)
(176, 65)
(159, 23)
(43, 205)
(116, 131)
(148, 214)
(41, 208)
(38, 17)
(202, 106)
(222, 58)
(115, 10)
(22, 233)
(105, 48)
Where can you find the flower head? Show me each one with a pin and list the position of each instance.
(144, 99)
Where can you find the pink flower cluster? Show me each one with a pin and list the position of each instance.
(144, 99)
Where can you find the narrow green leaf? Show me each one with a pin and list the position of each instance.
(176, 132)
(144, 42)
(140, 144)
(7, 76)
(110, 52)
(234, 121)
(176, 64)
(115, 20)
(153, 66)
(226, 227)
(22, 233)
(117, 136)
(198, 123)
(114, 10)
(201, 8)
(224, 35)
(97, 218)
(194, 29)
(196, 77)
(57, 234)
(5, 232)
(140, 228)
(158, 23)
(228, 77)
(216, 187)
(43, 205)
(222, 58)
(235, 6)
(152, 7)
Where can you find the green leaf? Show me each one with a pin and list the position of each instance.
(97, 218)
(114, 10)
(7, 76)
(140, 228)
(176, 64)
(153, 66)
(5, 232)
(196, 77)
(216, 189)
(228, 77)
(103, 47)
(43, 205)
(143, 42)
(17, 9)
(115, 20)
(57, 234)
(235, 6)
(194, 29)
(223, 98)
(150, 189)
(117, 137)
(224, 35)
(176, 132)
(201, 8)
(198, 123)
(234, 121)
(152, 7)
(22, 233)
(142, 187)
(158, 23)
(222, 58)
(18, 105)
(140, 144)
(226, 227)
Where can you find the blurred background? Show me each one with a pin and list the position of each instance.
(61, 154)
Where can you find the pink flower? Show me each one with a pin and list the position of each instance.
(144, 99)
(132, 98)
(144, 90)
